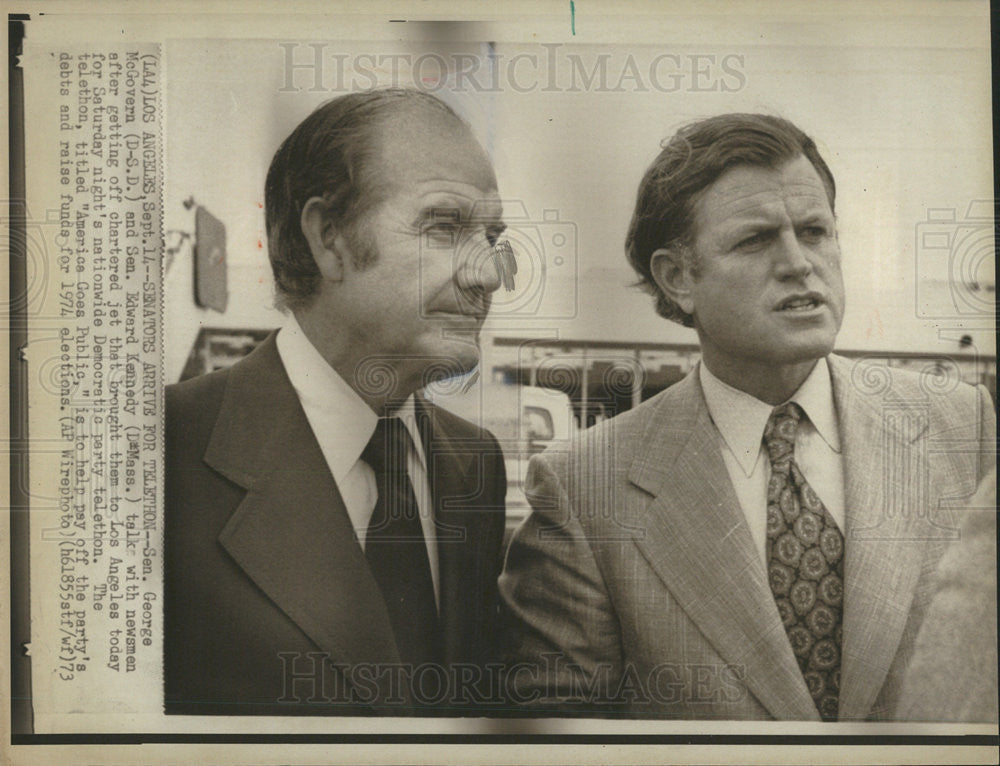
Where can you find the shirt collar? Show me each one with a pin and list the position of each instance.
(815, 397)
(741, 418)
(342, 421)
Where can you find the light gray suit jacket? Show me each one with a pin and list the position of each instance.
(635, 586)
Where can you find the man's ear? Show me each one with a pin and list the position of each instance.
(321, 236)
(672, 275)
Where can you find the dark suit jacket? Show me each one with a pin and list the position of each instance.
(269, 604)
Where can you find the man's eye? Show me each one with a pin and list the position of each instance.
(494, 232)
(814, 233)
(441, 228)
(754, 241)
(442, 233)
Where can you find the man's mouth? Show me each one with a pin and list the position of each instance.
(801, 303)
(457, 313)
(468, 305)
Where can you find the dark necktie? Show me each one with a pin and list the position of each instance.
(805, 564)
(395, 547)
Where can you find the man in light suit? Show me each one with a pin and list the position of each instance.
(332, 540)
(759, 540)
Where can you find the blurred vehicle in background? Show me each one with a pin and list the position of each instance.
(525, 420)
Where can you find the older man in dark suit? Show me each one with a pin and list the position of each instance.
(333, 540)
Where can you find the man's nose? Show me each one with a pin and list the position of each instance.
(791, 259)
(477, 267)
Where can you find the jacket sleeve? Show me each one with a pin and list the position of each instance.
(561, 631)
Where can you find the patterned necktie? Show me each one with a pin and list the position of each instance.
(805, 564)
(395, 547)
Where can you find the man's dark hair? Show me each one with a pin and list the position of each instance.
(689, 163)
(329, 156)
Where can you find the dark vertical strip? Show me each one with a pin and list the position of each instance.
(20, 614)
(995, 82)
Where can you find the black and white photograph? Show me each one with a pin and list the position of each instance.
(427, 382)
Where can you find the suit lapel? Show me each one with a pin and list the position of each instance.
(886, 505)
(695, 536)
(291, 534)
(449, 466)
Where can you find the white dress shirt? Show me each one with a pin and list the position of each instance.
(740, 420)
(343, 424)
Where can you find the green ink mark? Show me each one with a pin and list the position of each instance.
(572, 16)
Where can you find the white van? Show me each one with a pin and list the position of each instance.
(525, 420)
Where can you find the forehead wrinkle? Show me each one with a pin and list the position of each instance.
(755, 203)
(457, 192)
(748, 179)
(420, 146)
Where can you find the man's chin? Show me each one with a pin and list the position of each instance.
(805, 353)
(457, 360)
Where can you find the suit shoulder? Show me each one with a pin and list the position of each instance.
(192, 407)
(629, 425)
(459, 427)
(948, 407)
(938, 386)
(622, 433)
(195, 396)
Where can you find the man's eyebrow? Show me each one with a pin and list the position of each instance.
(755, 222)
(459, 209)
(812, 216)
(441, 211)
